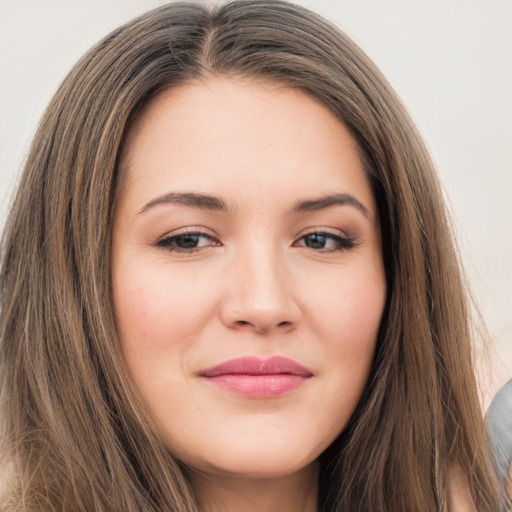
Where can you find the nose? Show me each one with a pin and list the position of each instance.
(260, 295)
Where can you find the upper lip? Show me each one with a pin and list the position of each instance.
(254, 366)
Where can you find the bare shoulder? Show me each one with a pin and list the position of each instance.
(459, 495)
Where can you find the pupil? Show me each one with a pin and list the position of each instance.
(316, 241)
(187, 241)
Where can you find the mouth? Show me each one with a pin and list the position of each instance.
(256, 378)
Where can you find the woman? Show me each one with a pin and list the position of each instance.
(228, 282)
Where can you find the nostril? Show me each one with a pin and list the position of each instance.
(246, 324)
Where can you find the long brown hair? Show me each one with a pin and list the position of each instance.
(74, 434)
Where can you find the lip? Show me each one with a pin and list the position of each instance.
(257, 378)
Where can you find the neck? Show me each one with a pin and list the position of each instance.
(297, 492)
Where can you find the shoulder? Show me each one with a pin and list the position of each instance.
(459, 496)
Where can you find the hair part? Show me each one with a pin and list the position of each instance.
(75, 435)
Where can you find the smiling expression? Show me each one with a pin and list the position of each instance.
(247, 274)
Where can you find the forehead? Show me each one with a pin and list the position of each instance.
(225, 135)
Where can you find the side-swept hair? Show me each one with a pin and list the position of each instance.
(75, 436)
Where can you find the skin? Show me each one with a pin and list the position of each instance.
(257, 283)
(459, 496)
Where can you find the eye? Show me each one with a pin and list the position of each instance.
(326, 242)
(187, 242)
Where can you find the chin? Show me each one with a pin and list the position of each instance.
(251, 460)
(256, 467)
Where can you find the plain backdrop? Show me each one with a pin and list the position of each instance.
(450, 61)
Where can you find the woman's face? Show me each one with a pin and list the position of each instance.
(247, 274)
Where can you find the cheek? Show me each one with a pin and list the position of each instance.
(349, 322)
(158, 313)
(347, 306)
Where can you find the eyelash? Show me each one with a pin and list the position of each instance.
(168, 241)
(342, 243)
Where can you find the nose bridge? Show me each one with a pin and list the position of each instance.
(261, 296)
(264, 277)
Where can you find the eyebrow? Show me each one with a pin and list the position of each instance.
(202, 201)
(212, 203)
(324, 202)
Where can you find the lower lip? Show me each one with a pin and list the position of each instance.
(258, 386)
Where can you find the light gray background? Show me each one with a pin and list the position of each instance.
(451, 62)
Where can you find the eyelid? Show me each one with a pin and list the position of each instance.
(164, 241)
(345, 240)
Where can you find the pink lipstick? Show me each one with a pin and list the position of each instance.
(253, 377)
